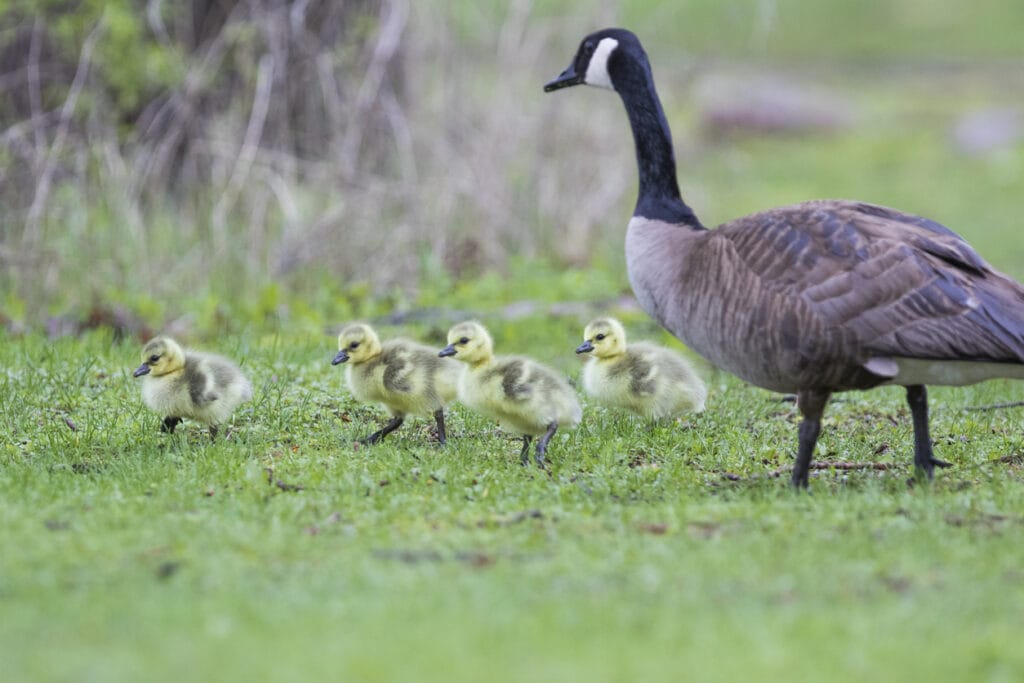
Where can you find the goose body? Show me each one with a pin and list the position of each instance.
(642, 378)
(524, 396)
(406, 378)
(813, 298)
(190, 384)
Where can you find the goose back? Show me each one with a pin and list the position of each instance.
(829, 294)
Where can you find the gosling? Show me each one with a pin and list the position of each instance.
(200, 386)
(642, 378)
(521, 394)
(403, 376)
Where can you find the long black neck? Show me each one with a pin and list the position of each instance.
(659, 196)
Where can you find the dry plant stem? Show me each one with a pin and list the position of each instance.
(35, 95)
(33, 222)
(247, 153)
(997, 406)
(394, 15)
(168, 121)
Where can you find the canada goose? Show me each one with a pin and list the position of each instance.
(643, 378)
(520, 393)
(813, 298)
(403, 376)
(179, 384)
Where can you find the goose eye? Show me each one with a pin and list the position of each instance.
(588, 47)
(464, 340)
(599, 337)
(354, 345)
(154, 358)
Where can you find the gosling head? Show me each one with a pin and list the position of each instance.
(160, 356)
(604, 337)
(605, 59)
(469, 342)
(358, 343)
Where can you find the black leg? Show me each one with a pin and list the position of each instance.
(811, 405)
(213, 432)
(439, 418)
(924, 461)
(542, 444)
(169, 424)
(524, 455)
(391, 426)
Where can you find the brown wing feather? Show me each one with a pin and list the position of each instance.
(897, 284)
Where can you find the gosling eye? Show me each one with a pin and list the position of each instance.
(154, 358)
(464, 340)
(599, 337)
(354, 345)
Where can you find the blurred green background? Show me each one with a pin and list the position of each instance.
(211, 165)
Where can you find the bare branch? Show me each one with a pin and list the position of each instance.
(395, 13)
(35, 96)
(168, 120)
(997, 406)
(250, 144)
(35, 212)
(155, 19)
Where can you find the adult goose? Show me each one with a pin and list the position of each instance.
(813, 298)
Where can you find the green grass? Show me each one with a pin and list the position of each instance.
(673, 553)
(130, 555)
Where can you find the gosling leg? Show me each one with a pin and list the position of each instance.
(924, 460)
(213, 432)
(391, 426)
(524, 455)
(542, 444)
(169, 424)
(439, 418)
(811, 404)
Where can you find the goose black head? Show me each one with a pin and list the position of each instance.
(600, 59)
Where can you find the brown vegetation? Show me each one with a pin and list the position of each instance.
(270, 140)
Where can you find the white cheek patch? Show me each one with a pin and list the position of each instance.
(597, 70)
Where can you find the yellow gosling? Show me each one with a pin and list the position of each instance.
(403, 376)
(642, 378)
(200, 386)
(524, 396)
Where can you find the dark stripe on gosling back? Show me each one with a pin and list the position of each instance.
(510, 382)
(640, 381)
(196, 384)
(396, 371)
(223, 375)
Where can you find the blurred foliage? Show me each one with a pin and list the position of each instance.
(874, 32)
(131, 65)
(271, 165)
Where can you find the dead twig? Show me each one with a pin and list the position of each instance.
(394, 15)
(996, 406)
(842, 465)
(281, 484)
(250, 146)
(35, 212)
(35, 92)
